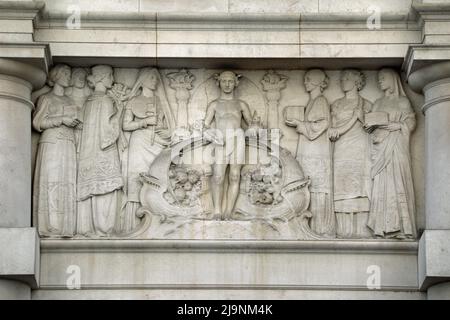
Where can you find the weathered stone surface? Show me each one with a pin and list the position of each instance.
(20, 255)
(156, 174)
(270, 265)
(14, 290)
(359, 91)
(434, 258)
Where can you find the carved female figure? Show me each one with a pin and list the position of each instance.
(79, 90)
(351, 162)
(314, 152)
(392, 209)
(55, 176)
(150, 121)
(99, 174)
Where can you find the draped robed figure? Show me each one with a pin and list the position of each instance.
(148, 122)
(54, 202)
(392, 212)
(314, 152)
(351, 163)
(99, 174)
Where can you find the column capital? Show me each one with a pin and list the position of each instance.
(35, 76)
(425, 64)
(433, 81)
(430, 61)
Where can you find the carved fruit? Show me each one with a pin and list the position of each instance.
(257, 177)
(180, 194)
(182, 177)
(193, 178)
(267, 179)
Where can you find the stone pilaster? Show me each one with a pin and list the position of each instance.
(428, 71)
(434, 247)
(19, 244)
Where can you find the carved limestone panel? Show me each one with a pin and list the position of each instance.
(223, 154)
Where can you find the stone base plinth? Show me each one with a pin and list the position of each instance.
(228, 269)
(434, 258)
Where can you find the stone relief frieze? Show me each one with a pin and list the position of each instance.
(219, 154)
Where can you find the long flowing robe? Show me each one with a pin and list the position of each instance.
(351, 166)
(144, 145)
(99, 174)
(392, 212)
(54, 196)
(314, 155)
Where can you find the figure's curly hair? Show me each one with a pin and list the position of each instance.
(56, 72)
(360, 77)
(236, 76)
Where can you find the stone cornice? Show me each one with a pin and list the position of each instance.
(369, 246)
(209, 20)
(20, 9)
(431, 8)
(115, 19)
(22, 5)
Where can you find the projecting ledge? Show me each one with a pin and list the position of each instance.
(368, 246)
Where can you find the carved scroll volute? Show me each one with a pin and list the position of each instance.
(273, 83)
(181, 82)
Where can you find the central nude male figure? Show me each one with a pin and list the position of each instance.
(227, 111)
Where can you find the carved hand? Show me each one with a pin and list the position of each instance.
(163, 133)
(252, 132)
(333, 134)
(151, 121)
(147, 122)
(367, 127)
(292, 122)
(204, 126)
(80, 126)
(392, 126)
(143, 124)
(301, 127)
(70, 122)
(213, 136)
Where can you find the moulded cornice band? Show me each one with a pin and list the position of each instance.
(212, 245)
